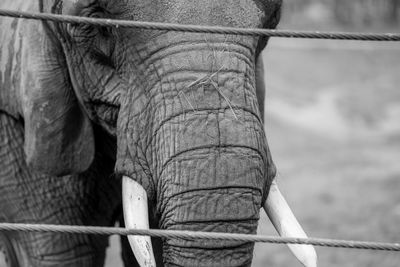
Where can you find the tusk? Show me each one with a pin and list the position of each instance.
(134, 201)
(287, 225)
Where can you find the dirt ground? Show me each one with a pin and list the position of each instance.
(333, 122)
(333, 112)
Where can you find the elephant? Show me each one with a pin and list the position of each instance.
(149, 128)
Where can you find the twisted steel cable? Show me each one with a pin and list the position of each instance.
(202, 29)
(190, 235)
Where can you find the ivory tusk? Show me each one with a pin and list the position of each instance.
(287, 225)
(134, 201)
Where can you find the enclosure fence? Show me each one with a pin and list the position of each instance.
(191, 235)
(203, 29)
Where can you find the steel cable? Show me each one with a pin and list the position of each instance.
(202, 29)
(190, 235)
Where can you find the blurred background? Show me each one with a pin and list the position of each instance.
(333, 125)
(342, 14)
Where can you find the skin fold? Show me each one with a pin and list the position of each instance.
(180, 113)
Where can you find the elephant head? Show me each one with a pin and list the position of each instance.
(183, 108)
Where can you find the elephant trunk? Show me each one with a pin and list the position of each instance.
(194, 140)
(214, 189)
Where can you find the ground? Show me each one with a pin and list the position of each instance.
(333, 113)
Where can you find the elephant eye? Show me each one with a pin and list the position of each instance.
(97, 41)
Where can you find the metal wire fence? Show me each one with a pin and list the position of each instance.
(203, 29)
(190, 235)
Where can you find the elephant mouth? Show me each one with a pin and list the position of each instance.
(136, 216)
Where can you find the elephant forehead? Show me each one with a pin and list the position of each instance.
(240, 13)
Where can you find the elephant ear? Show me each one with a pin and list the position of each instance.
(58, 134)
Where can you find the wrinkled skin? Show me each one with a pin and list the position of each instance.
(180, 113)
